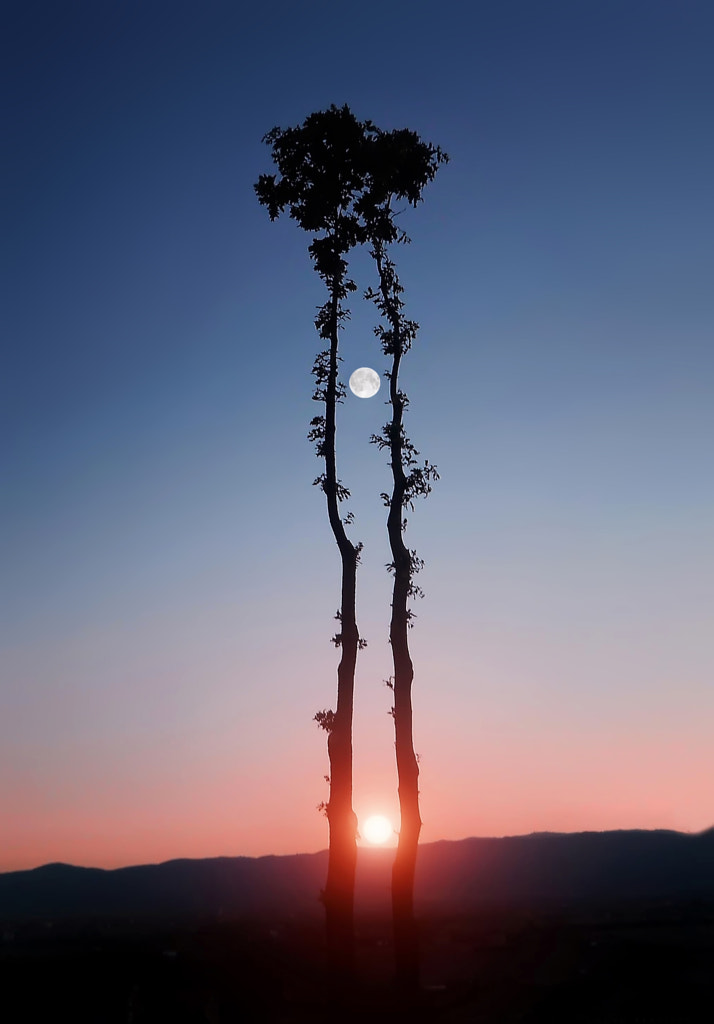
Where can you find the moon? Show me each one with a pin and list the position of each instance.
(377, 829)
(364, 382)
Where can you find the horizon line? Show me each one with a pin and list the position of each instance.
(370, 847)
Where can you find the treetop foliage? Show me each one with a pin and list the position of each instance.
(323, 171)
(339, 175)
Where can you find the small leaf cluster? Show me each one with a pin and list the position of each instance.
(415, 565)
(337, 641)
(397, 337)
(337, 638)
(418, 482)
(325, 719)
(342, 492)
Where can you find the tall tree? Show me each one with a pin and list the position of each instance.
(400, 166)
(321, 164)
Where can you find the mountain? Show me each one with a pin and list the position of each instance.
(540, 870)
(546, 869)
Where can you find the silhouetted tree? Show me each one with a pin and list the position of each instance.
(321, 164)
(400, 166)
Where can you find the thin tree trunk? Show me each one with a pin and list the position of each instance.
(339, 889)
(402, 167)
(406, 947)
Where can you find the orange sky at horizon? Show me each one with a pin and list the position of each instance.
(113, 830)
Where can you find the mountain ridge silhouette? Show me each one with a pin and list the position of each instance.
(540, 870)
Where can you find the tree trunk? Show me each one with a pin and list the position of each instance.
(339, 889)
(406, 946)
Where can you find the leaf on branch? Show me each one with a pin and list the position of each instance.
(325, 719)
(317, 429)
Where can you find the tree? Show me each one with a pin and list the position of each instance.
(321, 164)
(339, 178)
(400, 167)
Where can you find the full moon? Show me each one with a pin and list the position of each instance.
(364, 382)
(377, 829)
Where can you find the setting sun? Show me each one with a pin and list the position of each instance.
(377, 829)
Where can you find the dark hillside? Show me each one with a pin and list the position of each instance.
(539, 871)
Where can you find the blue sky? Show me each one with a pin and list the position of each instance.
(168, 573)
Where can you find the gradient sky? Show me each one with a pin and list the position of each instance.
(168, 573)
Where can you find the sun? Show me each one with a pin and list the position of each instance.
(377, 829)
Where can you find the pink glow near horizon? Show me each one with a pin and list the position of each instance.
(157, 825)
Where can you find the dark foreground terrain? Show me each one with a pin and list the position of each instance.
(644, 963)
(613, 927)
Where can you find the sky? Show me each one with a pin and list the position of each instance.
(168, 575)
